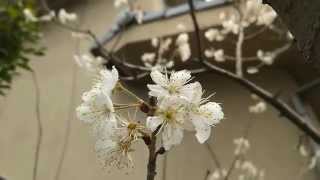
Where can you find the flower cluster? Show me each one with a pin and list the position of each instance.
(181, 107)
(235, 22)
(63, 16)
(114, 134)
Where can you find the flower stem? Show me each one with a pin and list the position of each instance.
(130, 93)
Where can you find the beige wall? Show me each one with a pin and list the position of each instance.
(273, 138)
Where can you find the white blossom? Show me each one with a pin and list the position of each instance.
(230, 25)
(170, 115)
(219, 55)
(148, 57)
(155, 42)
(48, 17)
(119, 3)
(242, 145)
(203, 114)
(250, 168)
(175, 85)
(252, 70)
(29, 15)
(183, 46)
(215, 175)
(89, 63)
(214, 35)
(65, 17)
(266, 57)
(96, 106)
(314, 159)
(114, 143)
(258, 108)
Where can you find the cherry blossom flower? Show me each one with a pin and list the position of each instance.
(176, 85)
(65, 17)
(242, 145)
(114, 145)
(89, 63)
(96, 106)
(108, 80)
(266, 57)
(203, 114)
(258, 108)
(171, 116)
(183, 46)
(214, 35)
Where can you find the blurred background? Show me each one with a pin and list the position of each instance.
(274, 140)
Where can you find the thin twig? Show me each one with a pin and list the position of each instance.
(196, 29)
(68, 123)
(39, 124)
(214, 156)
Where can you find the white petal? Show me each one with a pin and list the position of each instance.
(171, 136)
(153, 122)
(159, 78)
(203, 129)
(203, 135)
(84, 114)
(212, 112)
(157, 91)
(180, 78)
(192, 92)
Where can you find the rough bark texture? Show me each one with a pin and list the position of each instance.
(302, 18)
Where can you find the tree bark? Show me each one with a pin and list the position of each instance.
(302, 17)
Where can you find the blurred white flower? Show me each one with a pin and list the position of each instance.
(314, 159)
(30, 17)
(119, 3)
(215, 175)
(303, 151)
(48, 17)
(252, 70)
(242, 145)
(181, 27)
(250, 168)
(65, 17)
(230, 25)
(266, 57)
(148, 57)
(213, 35)
(219, 55)
(183, 46)
(89, 63)
(267, 15)
(258, 108)
(155, 42)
